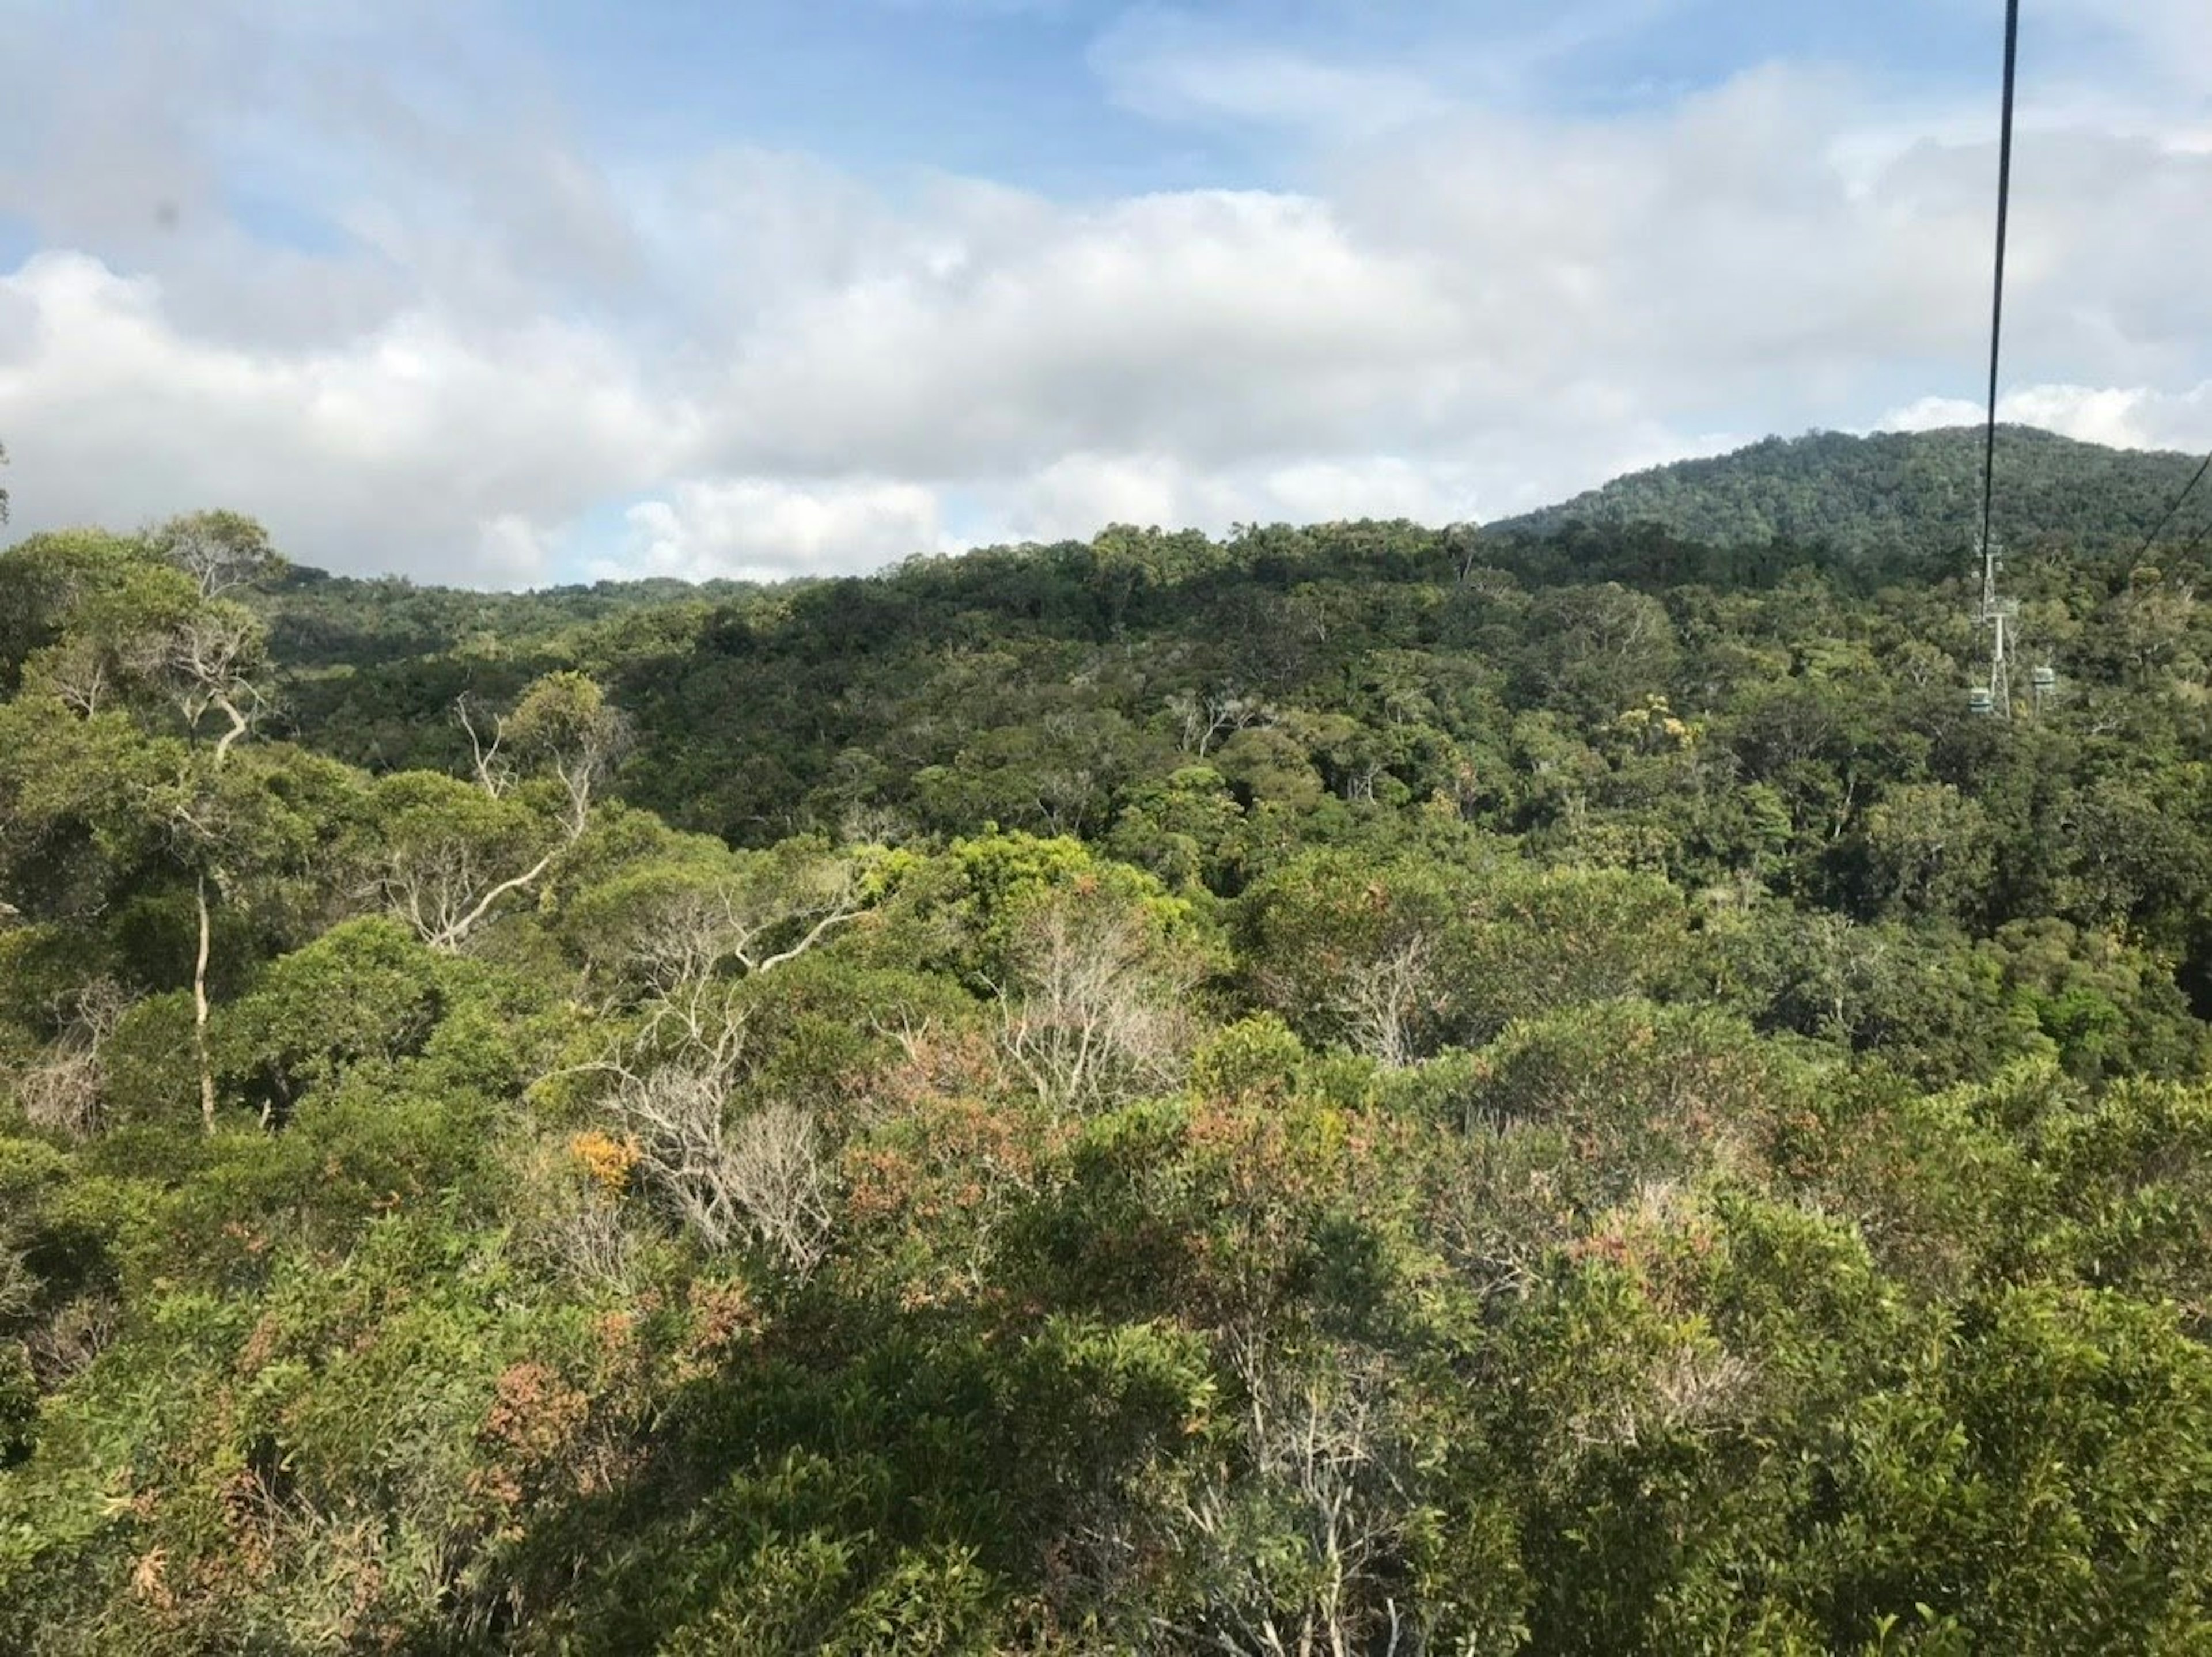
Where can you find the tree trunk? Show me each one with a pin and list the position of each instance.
(200, 1013)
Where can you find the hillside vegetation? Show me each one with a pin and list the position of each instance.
(1350, 1090)
(1903, 500)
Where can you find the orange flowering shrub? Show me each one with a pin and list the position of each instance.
(606, 1161)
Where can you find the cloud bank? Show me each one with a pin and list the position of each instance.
(421, 332)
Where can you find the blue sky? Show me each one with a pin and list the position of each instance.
(508, 294)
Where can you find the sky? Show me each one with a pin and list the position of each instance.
(504, 294)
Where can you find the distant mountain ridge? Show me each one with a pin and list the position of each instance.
(1894, 493)
(1900, 498)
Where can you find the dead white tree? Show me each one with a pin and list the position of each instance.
(196, 827)
(1320, 1460)
(1360, 778)
(83, 673)
(693, 929)
(220, 550)
(1206, 717)
(570, 1219)
(759, 1174)
(212, 657)
(565, 723)
(1097, 1013)
(586, 1242)
(64, 1093)
(495, 771)
(1381, 1000)
(1464, 542)
(1692, 1386)
(66, 1342)
(783, 1180)
(445, 875)
(444, 885)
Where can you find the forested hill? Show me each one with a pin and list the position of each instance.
(318, 618)
(1893, 503)
(1899, 497)
(1355, 1089)
(1050, 687)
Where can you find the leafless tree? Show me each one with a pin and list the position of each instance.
(211, 657)
(1465, 543)
(83, 673)
(1502, 1212)
(575, 1226)
(580, 742)
(1320, 1455)
(1691, 1386)
(691, 931)
(1685, 1390)
(591, 1245)
(65, 1343)
(64, 1093)
(1382, 999)
(495, 771)
(758, 1175)
(1206, 718)
(201, 1003)
(872, 822)
(784, 1182)
(1360, 778)
(446, 884)
(1097, 1013)
(582, 768)
(220, 550)
(197, 822)
(445, 887)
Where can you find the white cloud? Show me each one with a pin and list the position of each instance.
(1340, 72)
(1468, 311)
(412, 448)
(2132, 417)
(1077, 495)
(1217, 323)
(1171, 66)
(2162, 46)
(763, 529)
(511, 552)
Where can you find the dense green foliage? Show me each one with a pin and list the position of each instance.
(1354, 1090)
(1894, 496)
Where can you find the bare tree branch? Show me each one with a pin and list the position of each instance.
(758, 1175)
(211, 656)
(1216, 713)
(1382, 999)
(220, 550)
(65, 1093)
(1322, 1458)
(1096, 1014)
(692, 929)
(494, 773)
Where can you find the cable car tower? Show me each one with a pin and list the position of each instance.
(2000, 615)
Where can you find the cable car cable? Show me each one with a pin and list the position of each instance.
(2186, 490)
(1996, 302)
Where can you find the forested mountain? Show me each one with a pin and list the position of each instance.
(318, 618)
(1356, 1089)
(1909, 500)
